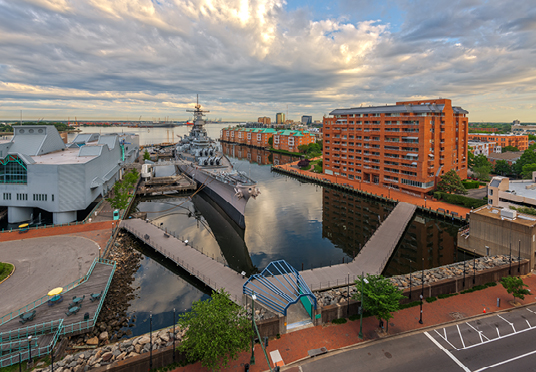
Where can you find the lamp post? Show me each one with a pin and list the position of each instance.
(510, 269)
(410, 279)
(20, 362)
(252, 360)
(519, 258)
(422, 289)
(474, 265)
(464, 269)
(361, 308)
(174, 335)
(151, 341)
(348, 296)
(99, 253)
(425, 202)
(30, 350)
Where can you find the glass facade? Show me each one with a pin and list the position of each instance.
(12, 170)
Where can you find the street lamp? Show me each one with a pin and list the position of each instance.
(464, 269)
(425, 202)
(252, 360)
(410, 279)
(173, 335)
(348, 296)
(151, 341)
(474, 265)
(422, 289)
(361, 306)
(510, 269)
(99, 253)
(519, 258)
(30, 350)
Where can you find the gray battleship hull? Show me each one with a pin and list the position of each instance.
(221, 193)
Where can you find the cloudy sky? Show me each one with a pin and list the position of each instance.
(129, 58)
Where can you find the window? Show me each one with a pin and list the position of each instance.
(12, 170)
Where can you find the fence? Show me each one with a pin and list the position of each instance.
(185, 265)
(38, 351)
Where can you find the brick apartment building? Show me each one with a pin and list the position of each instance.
(502, 140)
(405, 146)
(290, 140)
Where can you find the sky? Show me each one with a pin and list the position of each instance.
(126, 59)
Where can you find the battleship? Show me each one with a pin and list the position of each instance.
(198, 156)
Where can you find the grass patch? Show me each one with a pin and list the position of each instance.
(286, 152)
(431, 299)
(5, 270)
(339, 321)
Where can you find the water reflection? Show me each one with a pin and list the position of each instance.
(255, 155)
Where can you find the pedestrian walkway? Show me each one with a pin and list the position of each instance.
(381, 191)
(294, 346)
(72, 228)
(372, 259)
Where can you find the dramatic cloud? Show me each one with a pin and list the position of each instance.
(125, 58)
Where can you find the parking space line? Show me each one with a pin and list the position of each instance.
(463, 343)
(445, 338)
(526, 320)
(498, 334)
(505, 361)
(448, 352)
(500, 337)
(479, 332)
(511, 324)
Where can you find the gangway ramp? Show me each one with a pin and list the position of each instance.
(372, 258)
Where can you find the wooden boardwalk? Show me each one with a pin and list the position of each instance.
(96, 283)
(371, 259)
(214, 274)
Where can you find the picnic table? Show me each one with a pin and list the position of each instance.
(72, 310)
(27, 317)
(55, 300)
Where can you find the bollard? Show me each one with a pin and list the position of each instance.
(246, 367)
(498, 302)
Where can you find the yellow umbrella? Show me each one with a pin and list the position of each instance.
(55, 291)
(24, 225)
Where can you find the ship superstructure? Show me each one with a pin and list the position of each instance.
(199, 157)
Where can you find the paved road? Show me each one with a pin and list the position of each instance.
(503, 342)
(42, 264)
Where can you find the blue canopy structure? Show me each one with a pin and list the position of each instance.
(278, 286)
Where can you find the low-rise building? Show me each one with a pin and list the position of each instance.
(502, 140)
(39, 172)
(493, 231)
(481, 148)
(504, 192)
(510, 156)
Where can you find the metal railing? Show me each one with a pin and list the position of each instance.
(38, 351)
(6, 318)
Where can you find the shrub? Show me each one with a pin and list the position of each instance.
(303, 163)
(491, 284)
(459, 200)
(431, 299)
(410, 304)
(339, 321)
(446, 295)
(471, 184)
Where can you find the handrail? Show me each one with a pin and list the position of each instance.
(6, 318)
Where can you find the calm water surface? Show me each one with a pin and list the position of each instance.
(304, 224)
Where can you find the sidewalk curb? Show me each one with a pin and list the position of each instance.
(365, 343)
(12, 272)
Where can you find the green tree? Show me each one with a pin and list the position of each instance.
(146, 155)
(470, 159)
(509, 148)
(122, 189)
(380, 296)
(217, 330)
(526, 173)
(532, 137)
(482, 172)
(481, 161)
(271, 141)
(303, 148)
(502, 167)
(528, 157)
(514, 286)
(450, 182)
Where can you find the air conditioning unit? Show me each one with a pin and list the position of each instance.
(508, 213)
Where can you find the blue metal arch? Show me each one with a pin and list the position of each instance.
(278, 286)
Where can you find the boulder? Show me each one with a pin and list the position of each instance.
(107, 356)
(103, 336)
(144, 340)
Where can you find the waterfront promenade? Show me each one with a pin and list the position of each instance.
(393, 194)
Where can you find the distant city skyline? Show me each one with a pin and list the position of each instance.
(122, 59)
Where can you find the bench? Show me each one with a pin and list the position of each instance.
(315, 352)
